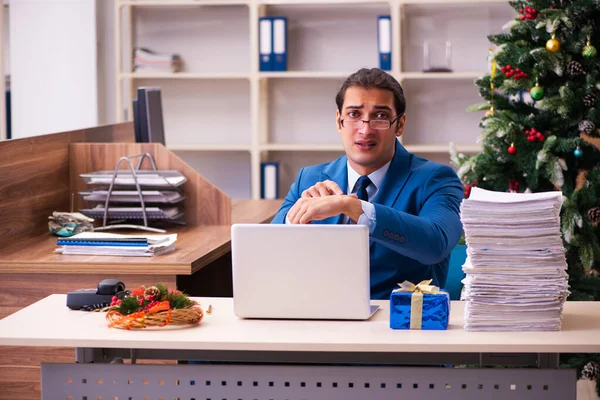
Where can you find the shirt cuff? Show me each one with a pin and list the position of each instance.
(367, 218)
(287, 220)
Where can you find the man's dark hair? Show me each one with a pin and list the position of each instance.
(373, 78)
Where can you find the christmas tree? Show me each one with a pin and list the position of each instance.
(541, 129)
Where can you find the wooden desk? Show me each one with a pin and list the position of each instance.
(197, 246)
(31, 270)
(224, 337)
(201, 262)
(38, 175)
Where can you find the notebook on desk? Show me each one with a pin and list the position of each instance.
(301, 271)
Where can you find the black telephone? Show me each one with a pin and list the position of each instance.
(89, 299)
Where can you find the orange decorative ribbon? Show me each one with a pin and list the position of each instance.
(162, 306)
(416, 300)
(140, 316)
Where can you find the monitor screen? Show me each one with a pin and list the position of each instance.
(153, 115)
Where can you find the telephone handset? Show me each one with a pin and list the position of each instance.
(87, 299)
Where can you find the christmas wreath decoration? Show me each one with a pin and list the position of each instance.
(153, 306)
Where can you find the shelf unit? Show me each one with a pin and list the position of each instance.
(222, 108)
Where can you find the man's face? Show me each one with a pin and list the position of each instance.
(368, 149)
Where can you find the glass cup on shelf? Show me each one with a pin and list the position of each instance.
(437, 56)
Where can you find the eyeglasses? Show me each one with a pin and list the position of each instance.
(373, 123)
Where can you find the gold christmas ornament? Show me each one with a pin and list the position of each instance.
(553, 45)
(490, 112)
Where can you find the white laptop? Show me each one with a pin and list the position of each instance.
(301, 271)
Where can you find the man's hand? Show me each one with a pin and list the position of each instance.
(311, 209)
(322, 189)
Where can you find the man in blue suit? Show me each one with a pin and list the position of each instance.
(411, 205)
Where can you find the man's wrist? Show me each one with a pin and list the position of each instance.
(352, 208)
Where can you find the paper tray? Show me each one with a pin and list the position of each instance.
(146, 178)
(132, 196)
(170, 213)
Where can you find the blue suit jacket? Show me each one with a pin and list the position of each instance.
(417, 218)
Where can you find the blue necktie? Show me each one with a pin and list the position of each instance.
(361, 188)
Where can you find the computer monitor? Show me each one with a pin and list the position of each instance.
(149, 116)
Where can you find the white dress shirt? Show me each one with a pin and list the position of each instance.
(368, 216)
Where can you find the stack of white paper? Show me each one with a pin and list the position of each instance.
(148, 60)
(516, 276)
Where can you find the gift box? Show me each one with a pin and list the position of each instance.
(422, 306)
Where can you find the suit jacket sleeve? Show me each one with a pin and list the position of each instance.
(430, 236)
(291, 198)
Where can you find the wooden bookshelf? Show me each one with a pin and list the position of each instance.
(225, 108)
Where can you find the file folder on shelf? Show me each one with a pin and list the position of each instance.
(279, 44)
(265, 44)
(7, 97)
(269, 175)
(384, 38)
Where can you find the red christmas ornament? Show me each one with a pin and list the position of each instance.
(468, 190)
(512, 150)
(513, 185)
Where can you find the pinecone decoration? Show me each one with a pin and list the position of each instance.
(591, 371)
(594, 215)
(151, 293)
(575, 69)
(587, 126)
(593, 273)
(590, 100)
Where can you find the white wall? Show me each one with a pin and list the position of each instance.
(107, 73)
(53, 66)
(6, 36)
